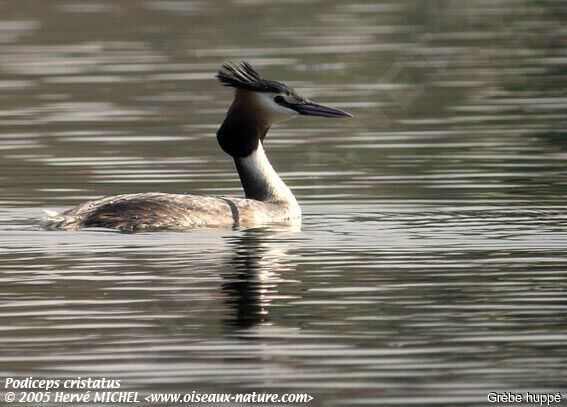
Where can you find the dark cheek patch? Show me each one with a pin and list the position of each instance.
(240, 135)
(237, 145)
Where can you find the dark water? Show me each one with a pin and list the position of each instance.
(431, 267)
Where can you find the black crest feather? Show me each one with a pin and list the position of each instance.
(243, 76)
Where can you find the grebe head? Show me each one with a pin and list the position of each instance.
(275, 99)
(259, 103)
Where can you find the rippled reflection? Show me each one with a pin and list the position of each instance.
(252, 276)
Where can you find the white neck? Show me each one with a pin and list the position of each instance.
(259, 179)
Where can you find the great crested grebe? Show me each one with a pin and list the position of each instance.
(258, 103)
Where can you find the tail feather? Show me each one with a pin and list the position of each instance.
(51, 213)
(55, 220)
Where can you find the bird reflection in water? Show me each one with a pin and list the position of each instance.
(254, 274)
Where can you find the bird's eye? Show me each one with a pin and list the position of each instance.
(279, 99)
